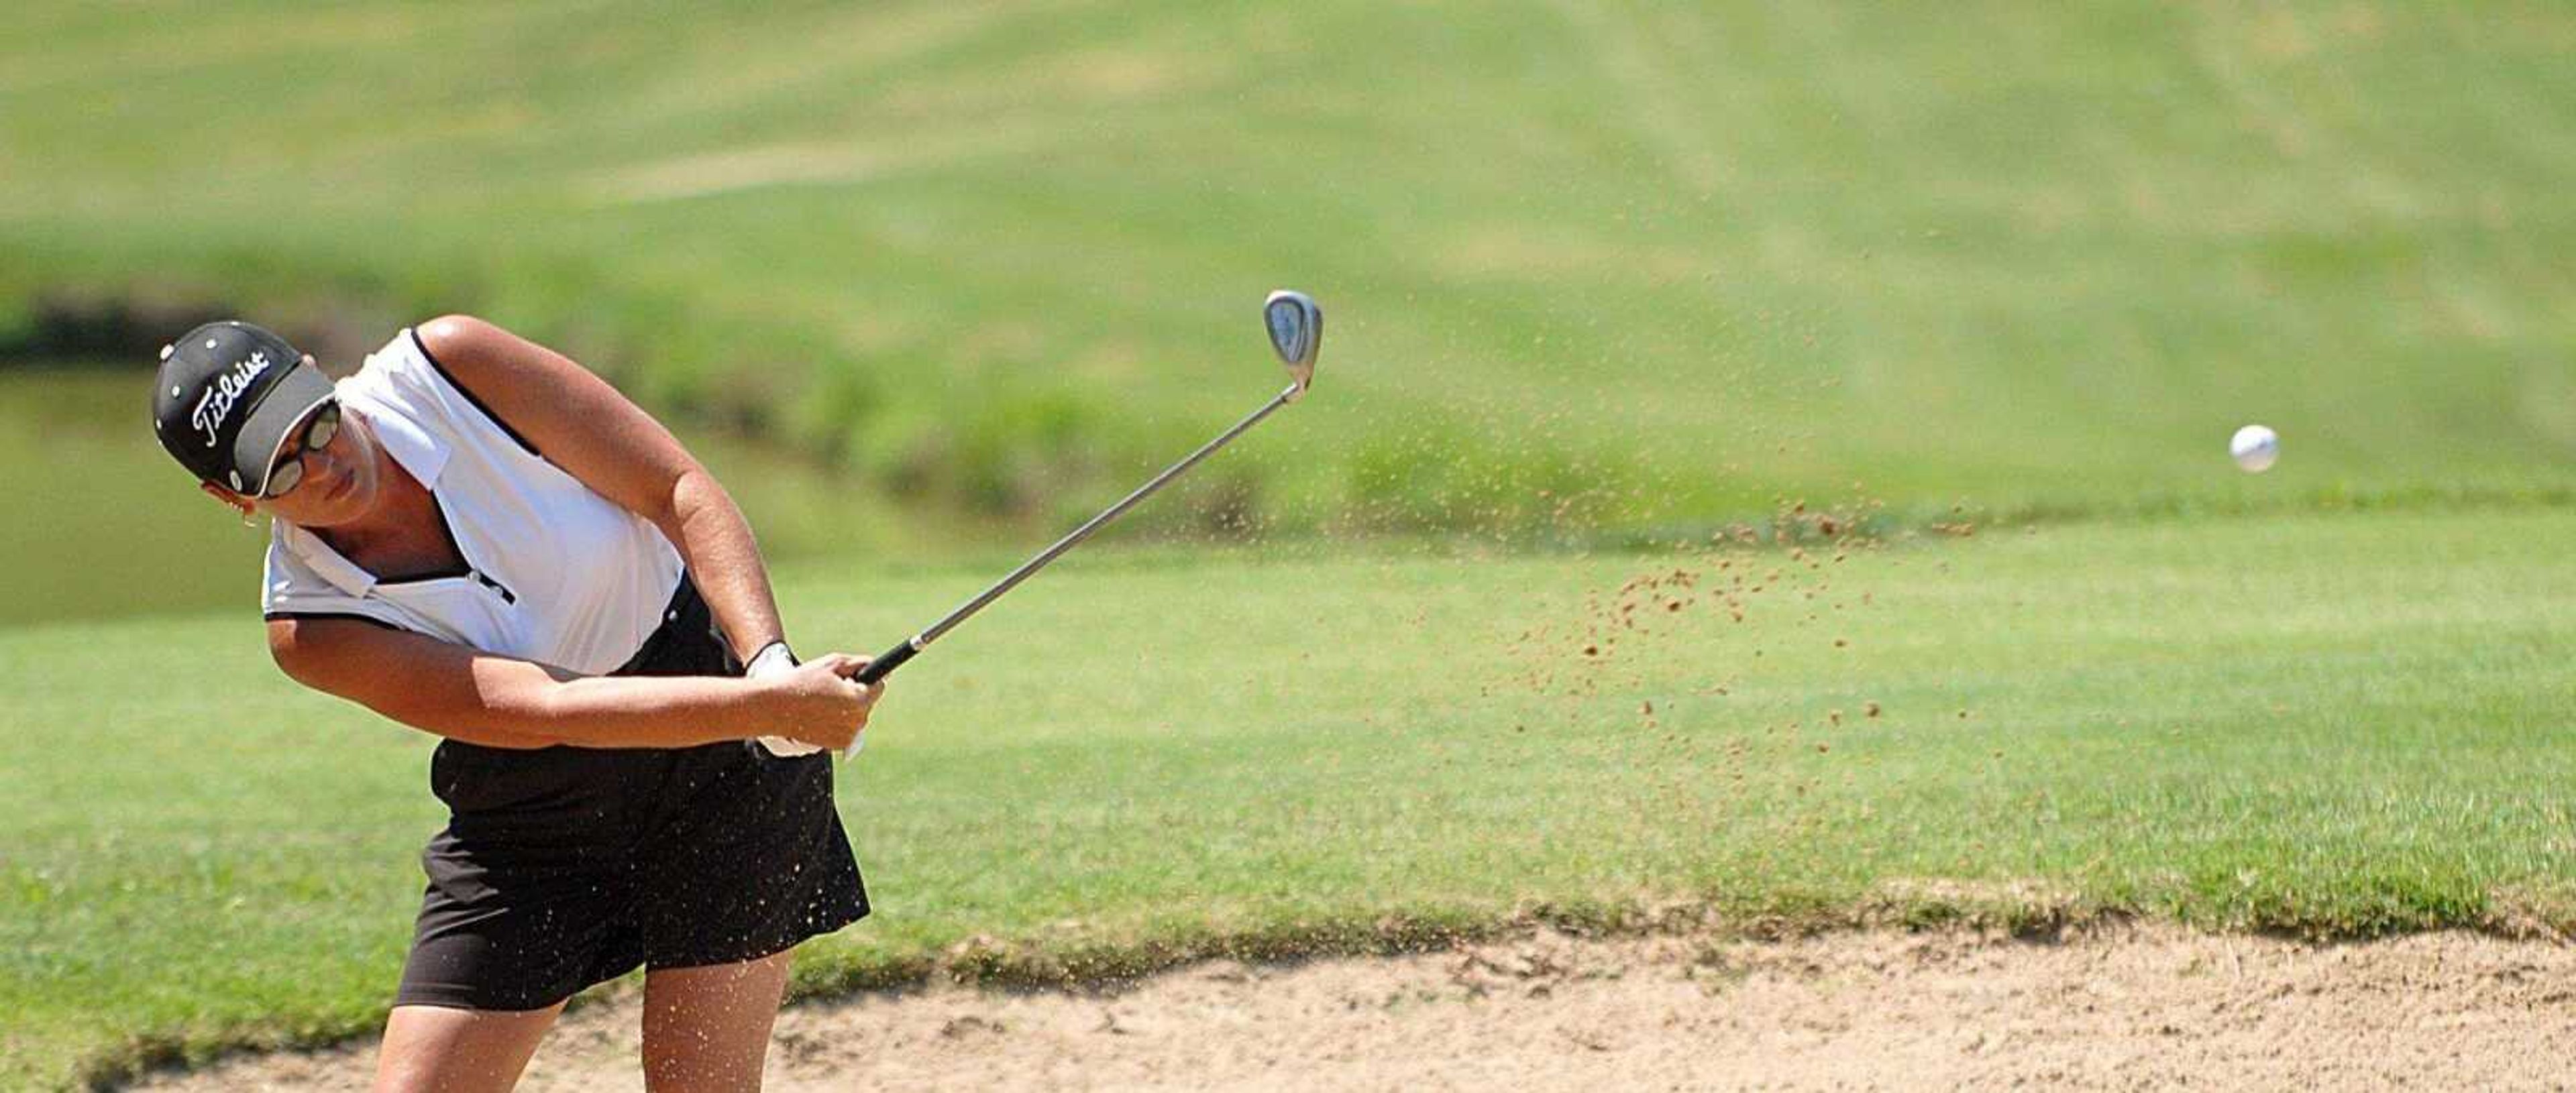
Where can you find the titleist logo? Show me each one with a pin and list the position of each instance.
(217, 403)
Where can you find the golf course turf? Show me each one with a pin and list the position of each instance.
(2335, 723)
(1470, 638)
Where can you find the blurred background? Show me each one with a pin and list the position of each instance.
(930, 277)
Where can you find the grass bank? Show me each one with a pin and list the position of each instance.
(1606, 264)
(2342, 724)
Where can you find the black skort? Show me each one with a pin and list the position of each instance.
(563, 867)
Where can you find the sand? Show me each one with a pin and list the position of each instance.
(2117, 1007)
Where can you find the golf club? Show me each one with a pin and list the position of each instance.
(1296, 328)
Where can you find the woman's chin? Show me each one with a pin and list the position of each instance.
(320, 512)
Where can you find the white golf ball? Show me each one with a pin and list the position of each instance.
(2256, 448)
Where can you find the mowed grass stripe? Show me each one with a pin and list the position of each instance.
(2336, 723)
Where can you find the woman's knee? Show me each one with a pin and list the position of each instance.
(707, 1028)
(438, 1048)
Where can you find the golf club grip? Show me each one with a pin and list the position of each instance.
(885, 664)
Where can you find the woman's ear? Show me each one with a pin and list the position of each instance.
(231, 500)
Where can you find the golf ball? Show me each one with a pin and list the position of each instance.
(2256, 448)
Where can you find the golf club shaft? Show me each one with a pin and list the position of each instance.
(892, 659)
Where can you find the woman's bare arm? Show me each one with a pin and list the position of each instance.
(497, 701)
(595, 434)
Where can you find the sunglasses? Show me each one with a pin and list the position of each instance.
(318, 431)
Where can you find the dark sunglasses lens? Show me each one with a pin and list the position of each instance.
(284, 478)
(325, 426)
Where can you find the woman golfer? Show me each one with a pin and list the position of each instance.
(475, 537)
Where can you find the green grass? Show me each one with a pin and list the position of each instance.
(1665, 259)
(1598, 274)
(2341, 724)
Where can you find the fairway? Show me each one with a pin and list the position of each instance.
(2335, 723)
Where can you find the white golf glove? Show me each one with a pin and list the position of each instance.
(772, 659)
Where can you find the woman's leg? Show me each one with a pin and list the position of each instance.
(707, 1029)
(434, 1048)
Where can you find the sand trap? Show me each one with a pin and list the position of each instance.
(2122, 1007)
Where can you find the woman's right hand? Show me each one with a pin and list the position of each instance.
(817, 702)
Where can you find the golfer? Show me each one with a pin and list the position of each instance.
(474, 536)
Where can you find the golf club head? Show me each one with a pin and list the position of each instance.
(1296, 331)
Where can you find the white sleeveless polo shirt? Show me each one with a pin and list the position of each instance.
(554, 573)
